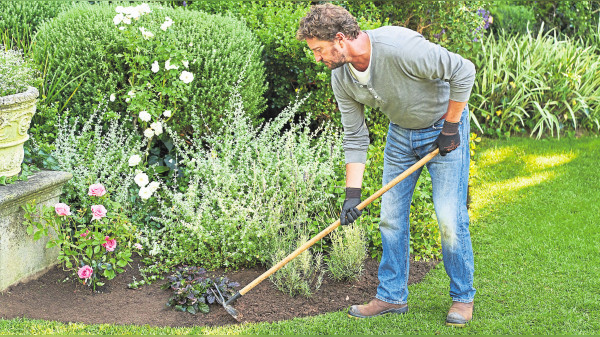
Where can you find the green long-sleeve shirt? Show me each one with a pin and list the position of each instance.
(411, 82)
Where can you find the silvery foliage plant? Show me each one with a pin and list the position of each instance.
(96, 154)
(15, 73)
(247, 186)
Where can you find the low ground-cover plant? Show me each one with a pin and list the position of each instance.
(193, 290)
(94, 243)
(536, 84)
(348, 251)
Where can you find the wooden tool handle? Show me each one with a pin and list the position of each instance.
(335, 225)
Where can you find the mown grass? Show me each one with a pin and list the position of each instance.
(535, 217)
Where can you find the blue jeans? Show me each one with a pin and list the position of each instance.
(449, 176)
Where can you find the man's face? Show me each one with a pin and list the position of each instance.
(328, 52)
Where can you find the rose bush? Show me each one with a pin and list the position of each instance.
(91, 248)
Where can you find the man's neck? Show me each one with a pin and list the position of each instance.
(360, 52)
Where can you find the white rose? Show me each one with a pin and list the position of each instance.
(157, 127)
(112, 97)
(148, 133)
(127, 99)
(155, 67)
(119, 9)
(127, 20)
(134, 160)
(141, 179)
(118, 19)
(145, 193)
(144, 8)
(122, 28)
(146, 34)
(168, 65)
(168, 22)
(167, 113)
(191, 44)
(186, 77)
(131, 93)
(153, 186)
(145, 116)
(185, 63)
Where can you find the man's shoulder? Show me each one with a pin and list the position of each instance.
(392, 35)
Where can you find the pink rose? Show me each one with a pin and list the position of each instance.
(85, 272)
(98, 212)
(110, 245)
(97, 190)
(138, 246)
(62, 209)
(84, 234)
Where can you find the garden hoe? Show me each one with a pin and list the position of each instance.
(308, 244)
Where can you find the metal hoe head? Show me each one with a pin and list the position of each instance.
(230, 310)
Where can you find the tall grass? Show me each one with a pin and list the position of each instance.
(537, 84)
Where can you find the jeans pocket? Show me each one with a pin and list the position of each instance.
(438, 125)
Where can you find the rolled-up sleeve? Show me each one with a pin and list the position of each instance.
(356, 133)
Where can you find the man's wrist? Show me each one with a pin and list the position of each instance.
(353, 192)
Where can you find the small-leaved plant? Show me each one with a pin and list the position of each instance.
(94, 243)
(301, 276)
(347, 254)
(16, 74)
(193, 291)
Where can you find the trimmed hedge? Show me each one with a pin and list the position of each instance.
(291, 67)
(85, 40)
(19, 20)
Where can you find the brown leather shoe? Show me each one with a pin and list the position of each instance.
(375, 308)
(459, 314)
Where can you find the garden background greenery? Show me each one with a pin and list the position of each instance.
(213, 131)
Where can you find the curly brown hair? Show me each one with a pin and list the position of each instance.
(325, 21)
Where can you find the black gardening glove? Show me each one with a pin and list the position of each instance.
(349, 210)
(449, 138)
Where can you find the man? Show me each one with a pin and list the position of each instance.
(424, 90)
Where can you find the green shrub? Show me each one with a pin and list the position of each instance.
(347, 253)
(302, 275)
(245, 186)
(513, 18)
(572, 18)
(537, 84)
(84, 40)
(456, 25)
(291, 69)
(19, 20)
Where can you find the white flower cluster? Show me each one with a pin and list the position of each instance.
(146, 190)
(126, 14)
(146, 33)
(168, 22)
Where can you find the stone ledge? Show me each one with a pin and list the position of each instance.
(12, 196)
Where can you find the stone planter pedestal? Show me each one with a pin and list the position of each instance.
(21, 258)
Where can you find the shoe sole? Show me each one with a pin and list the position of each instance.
(456, 325)
(403, 310)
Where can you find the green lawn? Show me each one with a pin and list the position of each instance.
(535, 215)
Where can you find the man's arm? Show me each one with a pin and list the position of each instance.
(455, 110)
(354, 174)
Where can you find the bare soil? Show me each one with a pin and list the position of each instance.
(54, 296)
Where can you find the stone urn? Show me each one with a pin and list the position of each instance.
(16, 112)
